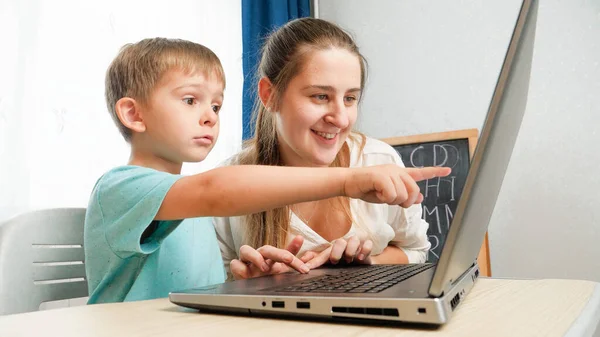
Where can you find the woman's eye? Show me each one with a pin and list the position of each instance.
(189, 101)
(350, 99)
(216, 108)
(321, 97)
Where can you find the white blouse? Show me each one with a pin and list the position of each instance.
(387, 225)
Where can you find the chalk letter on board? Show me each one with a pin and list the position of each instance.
(452, 160)
(428, 186)
(437, 216)
(435, 147)
(449, 181)
(449, 215)
(412, 162)
(434, 246)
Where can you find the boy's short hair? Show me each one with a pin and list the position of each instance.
(139, 66)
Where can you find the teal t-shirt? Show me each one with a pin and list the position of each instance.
(129, 256)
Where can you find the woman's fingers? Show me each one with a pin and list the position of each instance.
(365, 251)
(337, 250)
(352, 248)
(308, 256)
(254, 257)
(295, 245)
(283, 256)
(320, 258)
(239, 269)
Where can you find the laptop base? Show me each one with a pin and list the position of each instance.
(331, 307)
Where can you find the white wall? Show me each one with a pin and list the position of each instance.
(433, 66)
(56, 137)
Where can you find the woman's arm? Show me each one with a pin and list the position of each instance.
(390, 255)
(226, 242)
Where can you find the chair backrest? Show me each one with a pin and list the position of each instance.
(41, 259)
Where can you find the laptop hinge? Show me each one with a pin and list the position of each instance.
(454, 282)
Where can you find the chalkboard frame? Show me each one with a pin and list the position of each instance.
(472, 136)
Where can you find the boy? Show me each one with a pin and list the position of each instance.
(144, 231)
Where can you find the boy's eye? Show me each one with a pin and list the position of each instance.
(216, 108)
(350, 99)
(189, 101)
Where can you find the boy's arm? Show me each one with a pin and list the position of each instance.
(245, 189)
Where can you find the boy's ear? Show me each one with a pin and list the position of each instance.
(265, 89)
(130, 114)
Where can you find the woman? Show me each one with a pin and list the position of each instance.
(311, 79)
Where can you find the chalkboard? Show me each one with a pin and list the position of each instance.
(450, 149)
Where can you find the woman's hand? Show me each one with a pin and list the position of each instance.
(349, 251)
(268, 260)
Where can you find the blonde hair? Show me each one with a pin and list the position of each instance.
(139, 67)
(283, 56)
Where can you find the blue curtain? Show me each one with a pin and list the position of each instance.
(259, 18)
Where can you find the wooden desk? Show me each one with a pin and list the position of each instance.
(495, 307)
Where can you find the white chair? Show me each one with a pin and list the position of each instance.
(41, 259)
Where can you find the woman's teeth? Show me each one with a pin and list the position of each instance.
(326, 135)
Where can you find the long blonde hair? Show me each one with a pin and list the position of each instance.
(283, 56)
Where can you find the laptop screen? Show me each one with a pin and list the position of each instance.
(491, 157)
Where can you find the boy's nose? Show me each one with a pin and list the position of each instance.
(209, 118)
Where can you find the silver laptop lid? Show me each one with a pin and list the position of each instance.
(497, 139)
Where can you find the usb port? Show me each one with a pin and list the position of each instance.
(278, 304)
(303, 305)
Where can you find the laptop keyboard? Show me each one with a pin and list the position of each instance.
(374, 279)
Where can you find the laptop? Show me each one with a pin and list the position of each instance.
(413, 293)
